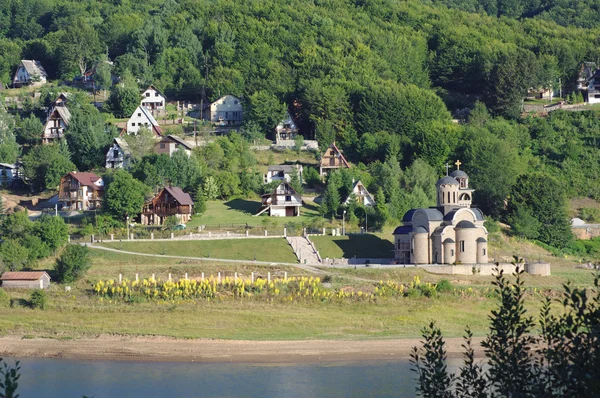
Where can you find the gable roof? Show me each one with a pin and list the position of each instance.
(286, 168)
(176, 139)
(151, 119)
(151, 87)
(23, 276)
(221, 98)
(123, 145)
(88, 179)
(368, 194)
(180, 196)
(339, 153)
(287, 186)
(34, 67)
(8, 165)
(63, 112)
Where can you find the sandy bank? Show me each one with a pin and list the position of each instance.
(162, 349)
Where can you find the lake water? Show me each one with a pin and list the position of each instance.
(100, 379)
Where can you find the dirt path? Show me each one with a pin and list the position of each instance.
(162, 349)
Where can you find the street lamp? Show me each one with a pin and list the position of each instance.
(366, 219)
(344, 223)
(127, 220)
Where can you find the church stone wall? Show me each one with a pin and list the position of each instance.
(420, 253)
(482, 257)
(469, 237)
(449, 253)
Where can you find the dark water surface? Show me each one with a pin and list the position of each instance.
(100, 379)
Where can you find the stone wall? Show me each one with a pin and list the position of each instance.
(541, 269)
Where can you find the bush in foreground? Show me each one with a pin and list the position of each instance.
(38, 299)
(72, 263)
(564, 360)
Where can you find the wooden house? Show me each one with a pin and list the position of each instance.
(56, 124)
(170, 144)
(283, 172)
(361, 194)
(118, 155)
(332, 159)
(81, 191)
(226, 111)
(142, 117)
(170, 201)
(286, 130)
(153, 99)
(282, 202)
(30, 72)
(25, 280)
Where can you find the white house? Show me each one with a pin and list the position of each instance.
(283, 172)
(57, 123)
(153, 99)
(594, 88)
(8, 172)
(30, 72)
(286, 129)
(283, 202)
(361, 194)
(226, 111)
(118, 155)
(171, 144)
(142, 118)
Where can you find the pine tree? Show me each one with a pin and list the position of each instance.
(200, 200)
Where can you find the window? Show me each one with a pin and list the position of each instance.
(116, 153)
(484, 252)
(448, 197)
(140, 114)
(288, 198)
(156, 93)
(452, 252)
(147, 94)
(235, 102)
(454, 196)
(597, 96)
(162, 146)
(462, 246)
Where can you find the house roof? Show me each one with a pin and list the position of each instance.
(180, 196)
(123, 145)
(88, 179)
(178, 140)
(151, 119)
(23, 276)
(402, 230)
(220, 98)
(464, 224)
(8, 165)
(337, 150)
(151, 87)
(285, 167)
(63, 112)
(34, 67)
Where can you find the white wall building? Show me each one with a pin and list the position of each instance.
(153, 99)
(142, 118)
(118, 155)
(30, 72)
(226, 111)
(283, 172)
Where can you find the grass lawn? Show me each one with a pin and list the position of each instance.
(275, 250)
(240, 211)
(361, 246)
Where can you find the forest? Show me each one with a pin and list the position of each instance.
(382, 78)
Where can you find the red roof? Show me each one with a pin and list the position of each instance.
(23, 276)
(87, 179)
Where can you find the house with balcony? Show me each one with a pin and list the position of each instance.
(118, 155)
(226, 111)
(284, 201)
(360, 193)
(286, 130)
(170, 201)
(56, 124)
(283, 172)
(332, 159)
(81, 191)
(152, 99)
(30, 72)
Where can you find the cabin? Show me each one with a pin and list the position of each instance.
(586, 72)
(152, 99)
(56, 124)
(25, 280)
(282, 202)
(363, 197)
(170, 201)
(140, 118)
(8, 173)
(81, 191)
(226, 111)
(332, 159)
(286, 130)
(283, 172)
(30, 72)
(171, 144)
(61, 100)
(118, 155)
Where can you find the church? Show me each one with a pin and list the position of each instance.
(450, 233)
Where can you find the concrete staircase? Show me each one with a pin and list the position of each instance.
(304, 250)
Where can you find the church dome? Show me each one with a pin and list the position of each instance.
(458, 173)
(446, 181)
(419, 230)
(464, 224)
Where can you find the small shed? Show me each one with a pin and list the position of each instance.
(25, 280)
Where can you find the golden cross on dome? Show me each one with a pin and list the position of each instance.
(458, 163)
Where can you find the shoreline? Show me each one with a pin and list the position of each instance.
(165, 349)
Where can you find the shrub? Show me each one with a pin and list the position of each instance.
(72, 263)
(4, 299)
(444, 286)
(38, 299)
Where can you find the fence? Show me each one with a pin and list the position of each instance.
(219, 278)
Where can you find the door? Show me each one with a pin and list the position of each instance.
(289, 212)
